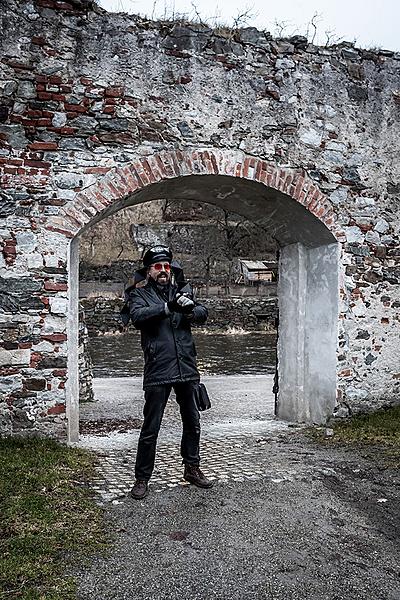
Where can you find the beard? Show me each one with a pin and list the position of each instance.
(163, 279)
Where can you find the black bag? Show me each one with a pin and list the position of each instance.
(202, 399)
(125, 312)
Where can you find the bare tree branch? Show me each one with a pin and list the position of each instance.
(314, 22)
(243, 18)
(198, 15)
(332, 38)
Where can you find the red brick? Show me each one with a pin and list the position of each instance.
(288, 183)
(35, 358)
(165, 170)
(33, 114)
(75, 108)
(101, 170)
(365, 227)
(44, 123)
(38, 41)
(39, 164)
(141, 175)
(314, 201)
(88, 199)
(148, 170)
(115, 191)
(115, 92)
(345, 373)
(44, 95)
(4, 371)
(54, 286)
(131, 178)
(29, 123)
(12, 161)
(43, 146)
(65, 6)
(68, 234)
(55, 337)
(67, 130)
(46, 3)
(9, 245)
(56, 410)
(19, 66)
(60, 373)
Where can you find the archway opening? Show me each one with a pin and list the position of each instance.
(231, 263)
(307, 291)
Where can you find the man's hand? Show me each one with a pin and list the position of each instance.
(186, 304)
(181, 303)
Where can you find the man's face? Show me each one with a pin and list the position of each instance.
(160, 272)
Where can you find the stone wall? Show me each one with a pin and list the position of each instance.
(85, 366)
(102, 314)
(99, 111)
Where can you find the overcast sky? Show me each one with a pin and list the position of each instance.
(371, 23)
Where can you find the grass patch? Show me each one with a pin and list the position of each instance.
(48, 518)
(379, 429)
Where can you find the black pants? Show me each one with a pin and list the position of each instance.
(155, 401)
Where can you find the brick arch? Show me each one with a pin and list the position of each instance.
(308, 282)
(127, 180)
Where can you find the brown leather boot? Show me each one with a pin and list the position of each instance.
(193, 475)
(140, 489)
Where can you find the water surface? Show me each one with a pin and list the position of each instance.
(217, 354)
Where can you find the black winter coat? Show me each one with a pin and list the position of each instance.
(167, 342)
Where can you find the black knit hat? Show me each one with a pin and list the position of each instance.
(157, 254)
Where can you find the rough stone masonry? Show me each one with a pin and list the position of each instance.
(98, 108)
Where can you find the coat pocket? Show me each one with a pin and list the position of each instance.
(149, 352)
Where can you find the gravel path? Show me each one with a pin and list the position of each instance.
(323, 524)
(317, 523)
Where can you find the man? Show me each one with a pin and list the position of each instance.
(164, 313)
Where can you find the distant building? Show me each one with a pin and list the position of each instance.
(255, 271)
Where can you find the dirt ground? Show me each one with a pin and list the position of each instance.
(318, 522)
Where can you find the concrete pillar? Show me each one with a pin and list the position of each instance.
(292, 286)
(321, 326)
(72, 388)
(308, 313)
